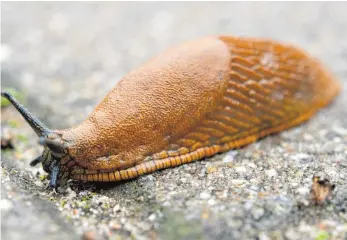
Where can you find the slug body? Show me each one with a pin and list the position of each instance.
(196, 100)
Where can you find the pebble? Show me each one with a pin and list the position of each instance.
(300, 156)
(329, 147)
(230, 156)
(308, 137)
(152, 217)
(237, 181)
(205, 195)
(340, 130)
(115, 225)
(303, 190)
(271, 173)
(116, 208)
(211, 202)
(241, 169)
(257, 212)
(263, 236)
(292, 234)
(339, 148)
(90, 235)
(211, 169)
(235, 223)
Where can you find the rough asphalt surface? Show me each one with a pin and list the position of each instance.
(65, 57)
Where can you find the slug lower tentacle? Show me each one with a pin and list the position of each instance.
(193, 101)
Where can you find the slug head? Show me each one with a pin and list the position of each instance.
(55, 149)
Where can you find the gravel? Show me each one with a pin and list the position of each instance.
(61, 56)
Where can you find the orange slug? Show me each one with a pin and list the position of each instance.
(198, 99)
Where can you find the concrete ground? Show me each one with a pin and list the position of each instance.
(64, 58)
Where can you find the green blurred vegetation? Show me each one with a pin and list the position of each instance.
(15, 93)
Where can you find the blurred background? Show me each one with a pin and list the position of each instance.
(63, 57)
(53, 49)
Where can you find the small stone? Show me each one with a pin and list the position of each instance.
(254, 180)
(6, 138)
(116, 208)
(71, 194)
(248, 205)
(300, 156)
(329, 147)
(235, 223)
(211, 169)
(339, 148)
(263, 236)
(205, 214)
(303, 190)
(90, 235)
(211, 202)
(308, 137)
(115, 225)
(248, 154)
(241, 169)
(303, 202)
(292, 234)
(230, 157)
(75, 211)
(183, 180)
(252, 165)
(323, 132)
(166, 204)
(254, 188)
(205, 195)
(341, 228)
(329, 223)
(340, 130)
(257, 213)
(237, 181)
(123, 220)
(141, 198)
(271, 173)
(304, 227)
(152, 217)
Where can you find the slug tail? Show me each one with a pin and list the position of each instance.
(34, 122)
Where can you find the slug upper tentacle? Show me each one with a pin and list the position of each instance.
(193, 101)
(34, 122)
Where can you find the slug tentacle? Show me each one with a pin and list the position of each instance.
(54, 175)
(34, 122)
(36, 161)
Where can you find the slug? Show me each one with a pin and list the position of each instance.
(195, 100)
